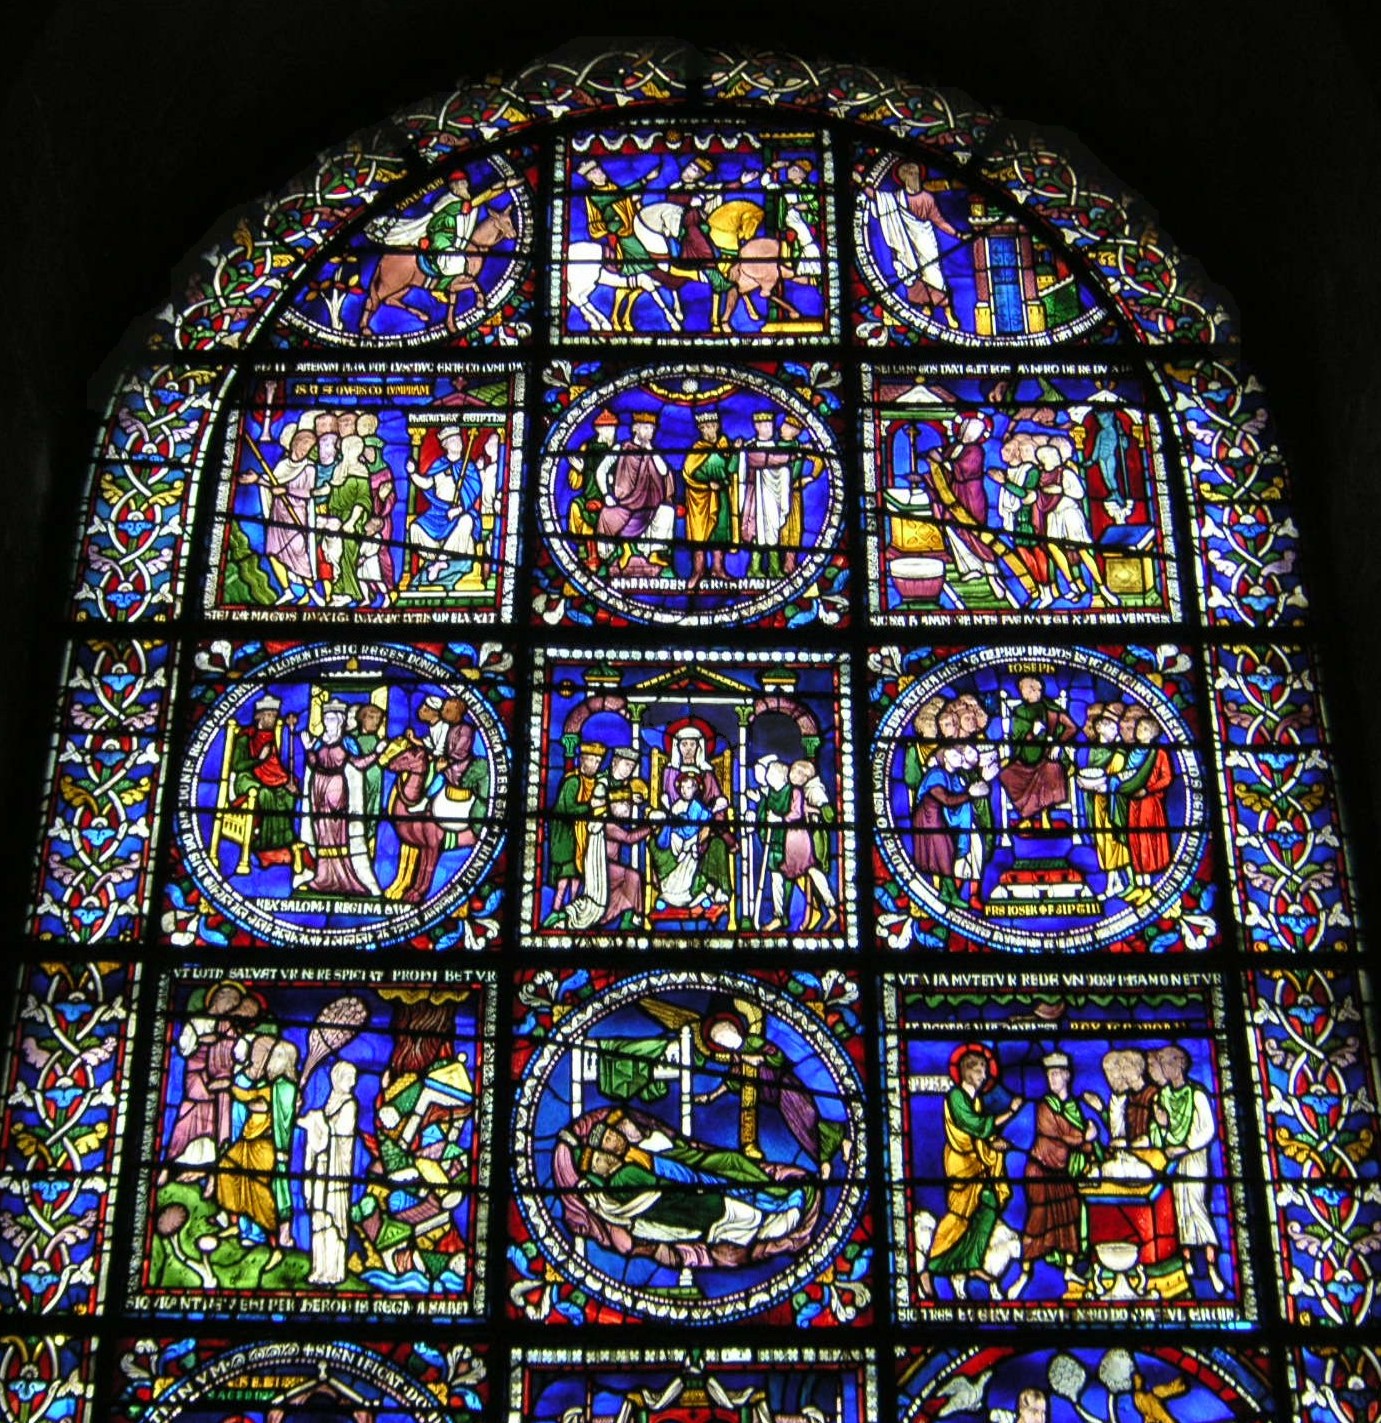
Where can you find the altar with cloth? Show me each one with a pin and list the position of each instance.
(1137, 1211)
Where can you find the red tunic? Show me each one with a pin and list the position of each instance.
(1146, 821)
(268, 769)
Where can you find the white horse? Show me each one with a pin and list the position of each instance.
(656, 226)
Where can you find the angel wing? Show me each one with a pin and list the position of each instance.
(672, 1017)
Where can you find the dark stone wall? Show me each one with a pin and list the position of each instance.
(132, 127)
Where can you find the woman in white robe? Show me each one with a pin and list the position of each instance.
(328, 1164)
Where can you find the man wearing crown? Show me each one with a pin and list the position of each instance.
(256, 764)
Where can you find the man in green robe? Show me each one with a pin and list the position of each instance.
(610, 212)
(568, 826)
(1034, 777)
(773, 811)
(349, 502)
(976, 1185)
(256, 766)
(630, 1166)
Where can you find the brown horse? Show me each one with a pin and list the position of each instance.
(763, 265)
(399, 272)
(420, 834)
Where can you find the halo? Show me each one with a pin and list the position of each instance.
(988, 1056)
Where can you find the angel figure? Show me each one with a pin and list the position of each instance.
(731, 1040)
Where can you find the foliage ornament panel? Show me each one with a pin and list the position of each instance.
(46, 1379)
(1317, 1072)
(105, 783)
(66, 1090)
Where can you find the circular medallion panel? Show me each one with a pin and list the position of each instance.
(941, 260)
(1037, 799)
(344, 797)
(699, 495)
(690, 1146)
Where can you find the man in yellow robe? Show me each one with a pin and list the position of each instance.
(975, 1162)
(708, 475)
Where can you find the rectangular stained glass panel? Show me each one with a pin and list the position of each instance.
(689, 801)
(105, 782)
(343, 795)
(1033, 798)
(1034, 496)
(318, 1143)
(1249, 567)
(65, 1094)
(48, 1377)
(1318, 1091)
(689, 1147)
(989, 1382)
(1280, 803)
(179, 1380)
(1063, 1151)
(370, 491)
(703, 233)
(764, 1385)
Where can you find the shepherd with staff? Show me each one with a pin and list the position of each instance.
(286, 492)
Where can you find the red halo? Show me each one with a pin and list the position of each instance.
(988, 1056)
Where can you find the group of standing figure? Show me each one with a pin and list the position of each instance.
(1154, 1113)
(603, 810)
(1122, 775)
(740, 495)
(1035, 543)
(237, 1125)
(325, 823)
(356, 1178)
(328, 510)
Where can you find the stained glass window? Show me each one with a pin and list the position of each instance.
(691, 784)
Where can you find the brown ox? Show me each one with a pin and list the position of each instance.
(398, 273)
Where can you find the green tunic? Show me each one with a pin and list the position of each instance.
(566, 839)
(967, 1252)
(610, 213)
(273, 820)
(283, 1105)
(352, 503)
(709, 478)
(778, 803)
